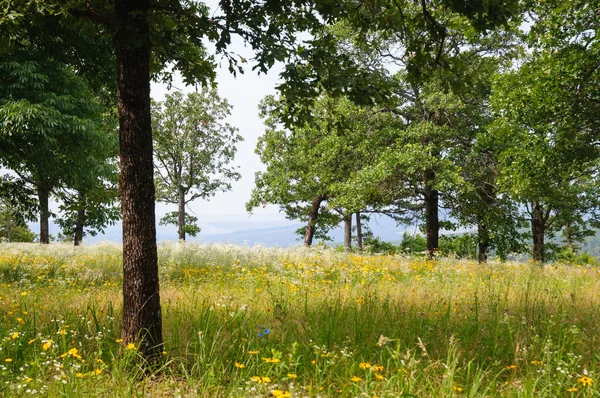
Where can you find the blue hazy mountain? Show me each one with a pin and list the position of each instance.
(266, 230)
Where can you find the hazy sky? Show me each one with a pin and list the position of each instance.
(244, 93)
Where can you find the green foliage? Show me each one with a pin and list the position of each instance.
(13, 226)
(190, 227)
(413, 244)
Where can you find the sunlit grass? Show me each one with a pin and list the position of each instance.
(291, 322)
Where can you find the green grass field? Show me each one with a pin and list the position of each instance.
(260, 322)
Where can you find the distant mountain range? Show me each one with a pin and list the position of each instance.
(266, 230)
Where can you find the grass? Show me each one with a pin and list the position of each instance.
(241, 322)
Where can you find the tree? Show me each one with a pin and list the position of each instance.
(50, 117)
(13, 226)
(193, 147)
(548, 158)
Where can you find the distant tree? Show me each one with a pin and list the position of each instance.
(193, 147)
(13, 225)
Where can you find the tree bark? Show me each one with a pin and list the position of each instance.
(538, 229)
(312, 219)
(80, 221)
(432, 224)
(482, 242)
(359, 240)
(181, 215)
(142, 323)
(348, 232)
(43, 197)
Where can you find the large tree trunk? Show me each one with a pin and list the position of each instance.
(483, 241)
(348, 232)
(312, 219)
(181, 215)
(538, 229)
(80, 220)
(43, 197)
(359, 239)
(432, 224)
(142, 322)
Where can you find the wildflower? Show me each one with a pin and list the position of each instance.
(534, 362)
(130, 346)
(27, 380)
(97, 372)
(572, 389)
(355, 379)
(292, 375)
(80, 375)
(62, 331)
(31, 341)
(271, 360)
(383, 341)
(280, 393)
(14, 335)
(252, 352)
(379, 377)
(239, 365)
(8, 360)
(378, 368)
(47, 345)
(119, 340)
(164, 353)
(456, 388)
(259, 379)
(585, 381)
(364, 365)
(511, 367)
(23, 293)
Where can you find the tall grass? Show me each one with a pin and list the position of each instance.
(254, 322)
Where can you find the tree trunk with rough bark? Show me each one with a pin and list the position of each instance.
(142, 321)
(538, 229)
(181, 214)
(359, 239)
(348, 232)
(43, 197)
(482, 242)
(432, 224)
(312, 219)
(80, 221)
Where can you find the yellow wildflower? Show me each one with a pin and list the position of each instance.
(281, 393)
(271, 360)
(130, 346)
(14, 335)
(80, 375)
(585, 381)
(47, 345)
(457, 389)
(252, 352)
(355, 378)
(31, 341)
(292, 375)
(27, 380)
(239, 365)
(379, 377)
(119, 340)
(511, 367)
(364, 365)
(378, 368)
(8, 360)
(572, 389)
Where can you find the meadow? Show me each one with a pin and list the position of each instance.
(259, 322)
